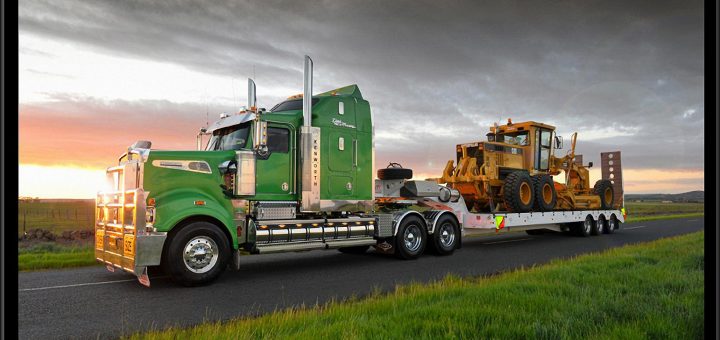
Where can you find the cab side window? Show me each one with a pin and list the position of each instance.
(278, 140)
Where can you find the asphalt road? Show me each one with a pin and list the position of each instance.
(94, 303)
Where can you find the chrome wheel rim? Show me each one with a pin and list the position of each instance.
(412, 238)
(447, 235)
(601, 225)
(611, 225)
(200, 254)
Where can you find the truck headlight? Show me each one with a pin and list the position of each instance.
(150, 215)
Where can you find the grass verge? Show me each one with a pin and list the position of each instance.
(650, 290)
(52, 256)
(632, 219)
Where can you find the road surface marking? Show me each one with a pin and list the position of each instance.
(638, 227)
(76, 285)
(522, 239)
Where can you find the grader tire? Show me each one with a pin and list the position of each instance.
(518, 192)
(545, 194)
(604, 189)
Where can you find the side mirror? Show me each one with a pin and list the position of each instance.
(141, 144)
(260, 138)
(558, 142)
(590, 165)
(203, 131)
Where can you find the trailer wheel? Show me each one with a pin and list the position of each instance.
(411, 238)
(599, 225)
(518, 192)
(354, 250)
(604, 189)
(612, 224)
(197, 254)
(446, 236)
(585, 228)
(545, 194)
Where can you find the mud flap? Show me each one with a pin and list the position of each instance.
(385, 248)
(236, 260)
(143, 278)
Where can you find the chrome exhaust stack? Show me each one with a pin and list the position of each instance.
(252, 97)
(307, 91)
(309, 147)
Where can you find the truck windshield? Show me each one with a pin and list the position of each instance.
(519, 138)
(229, 138)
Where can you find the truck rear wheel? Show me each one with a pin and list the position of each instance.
(197, 254)
(411, 238)
(604, 189)
(446, 236)
(545, 194)
(518, 192)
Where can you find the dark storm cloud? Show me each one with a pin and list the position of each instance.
(629, 75)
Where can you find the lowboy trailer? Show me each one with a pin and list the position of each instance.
(295, 178)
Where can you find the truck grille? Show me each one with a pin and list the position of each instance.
(120, 216)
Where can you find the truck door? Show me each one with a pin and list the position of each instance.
(543, 147)
(341, 151)
(275, 180)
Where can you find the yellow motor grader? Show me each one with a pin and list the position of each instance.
(512, 171)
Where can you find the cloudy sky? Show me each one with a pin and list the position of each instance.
(97, 75)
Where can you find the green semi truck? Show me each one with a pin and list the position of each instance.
(297, 177)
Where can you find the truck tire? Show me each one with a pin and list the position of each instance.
(411, 238)
(197, 254)
(518, 192)
(394, 173)
(599, 226)
(585, 228)
(604, 189)
(354, 250)
(612, 224)
(446, 237)
(545, 194)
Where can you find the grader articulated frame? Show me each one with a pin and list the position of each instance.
(513, 171)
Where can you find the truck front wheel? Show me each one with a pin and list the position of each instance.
(411, 238)
(197, 254)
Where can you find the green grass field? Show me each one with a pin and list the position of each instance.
(647, 209)
(51, 255)
(56, 216)
(651, 290)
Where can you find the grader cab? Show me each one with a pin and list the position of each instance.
(513, 171)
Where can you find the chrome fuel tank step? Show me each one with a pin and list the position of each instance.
(318, 230)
